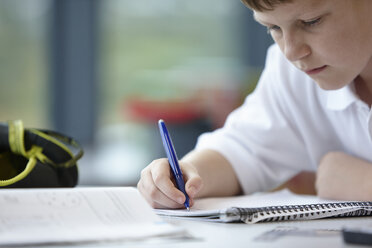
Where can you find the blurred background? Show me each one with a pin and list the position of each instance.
(104, 72)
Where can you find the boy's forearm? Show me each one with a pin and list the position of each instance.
(344, 177)
(219, 178)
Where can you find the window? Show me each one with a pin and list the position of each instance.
(157, 48)
(153, 52)
(23, 61)
(147, 55)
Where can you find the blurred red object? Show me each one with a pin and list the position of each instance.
(171, 111)
(208, 104)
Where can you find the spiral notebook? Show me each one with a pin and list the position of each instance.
(267, 207)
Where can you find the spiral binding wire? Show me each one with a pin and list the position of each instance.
(299, 212)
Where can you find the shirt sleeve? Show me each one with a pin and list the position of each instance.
(259, 140)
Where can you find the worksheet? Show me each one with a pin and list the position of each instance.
(64, 215)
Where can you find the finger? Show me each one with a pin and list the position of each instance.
(148, 195)
(194, 182)
(153, 195)
(162, 180)
(161, 206)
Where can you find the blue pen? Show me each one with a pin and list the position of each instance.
(173, 160)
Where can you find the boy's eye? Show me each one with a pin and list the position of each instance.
(273, 28)
(311, 22)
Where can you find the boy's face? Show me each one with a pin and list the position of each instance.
(330, 40)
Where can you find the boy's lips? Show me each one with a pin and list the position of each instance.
(315, 70)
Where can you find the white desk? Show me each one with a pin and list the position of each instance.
(211, 235)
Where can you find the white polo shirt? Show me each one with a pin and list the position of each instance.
(287, 124)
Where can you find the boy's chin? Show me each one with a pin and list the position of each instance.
(330, 86)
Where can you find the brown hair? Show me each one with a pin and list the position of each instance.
(262, 5)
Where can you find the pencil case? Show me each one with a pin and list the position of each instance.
(37, 158)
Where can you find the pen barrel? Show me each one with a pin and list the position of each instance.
(181, 187)
(180, 184)
(173, 160)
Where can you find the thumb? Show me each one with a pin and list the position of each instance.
(194, 182)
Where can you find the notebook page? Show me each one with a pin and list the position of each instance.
(279, 198)
(77, 215)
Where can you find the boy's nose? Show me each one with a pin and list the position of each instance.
(295, 48)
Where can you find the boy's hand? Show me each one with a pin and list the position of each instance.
(344, 177)
(158, 187)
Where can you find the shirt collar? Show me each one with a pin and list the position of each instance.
(340, 99)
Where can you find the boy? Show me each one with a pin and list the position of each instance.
(309, 112)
